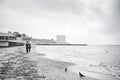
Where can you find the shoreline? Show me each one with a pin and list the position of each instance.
(91, 75)
(58, 68)
(98, 75)
(49, 68)
(95, 75)
(53, 69)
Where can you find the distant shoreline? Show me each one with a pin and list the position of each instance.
(64, 44)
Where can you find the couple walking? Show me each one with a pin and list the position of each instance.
(28, 47)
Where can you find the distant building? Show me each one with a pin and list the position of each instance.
(17, 34)
(60, 39)
(7, 36)
(43, 41)
(8, 39)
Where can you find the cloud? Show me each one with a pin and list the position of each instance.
(94, 19)
(113, 20)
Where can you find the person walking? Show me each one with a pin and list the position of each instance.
(28, 47)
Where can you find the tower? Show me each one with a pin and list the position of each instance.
(60, 39)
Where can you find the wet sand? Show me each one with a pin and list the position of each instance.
(55, 70)
(51, 69)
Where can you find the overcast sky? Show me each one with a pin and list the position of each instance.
(82, 21)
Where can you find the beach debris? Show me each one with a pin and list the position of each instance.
(27, 70)
(6, 70)
(19, 68)
(81, 75)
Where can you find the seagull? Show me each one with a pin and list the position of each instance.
(81, 75)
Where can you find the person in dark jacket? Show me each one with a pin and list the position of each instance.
(28, 47)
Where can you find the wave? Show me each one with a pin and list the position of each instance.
(113, 69)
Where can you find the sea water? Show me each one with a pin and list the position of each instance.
(102, 62)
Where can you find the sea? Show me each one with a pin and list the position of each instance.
(97, 61)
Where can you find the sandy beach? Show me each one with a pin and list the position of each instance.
(47, 69)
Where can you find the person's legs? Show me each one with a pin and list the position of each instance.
(26, 50)
(29, 49)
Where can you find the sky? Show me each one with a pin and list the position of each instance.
(81, 21)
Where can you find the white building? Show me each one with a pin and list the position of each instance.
(8, 39)
(60, 39)
(7, 36)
